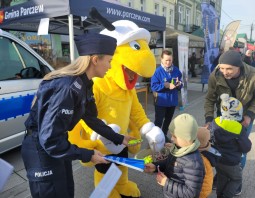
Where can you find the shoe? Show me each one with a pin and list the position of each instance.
(239, 191)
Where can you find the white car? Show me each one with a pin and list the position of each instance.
(21, 71)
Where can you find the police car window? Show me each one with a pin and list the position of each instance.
(29, 59)
(10, 63)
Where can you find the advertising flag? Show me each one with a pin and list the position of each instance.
(183, 48)
(211, 27)
(229, 35)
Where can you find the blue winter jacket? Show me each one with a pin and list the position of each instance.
(185, 175)
(231, 139)
(164, 96)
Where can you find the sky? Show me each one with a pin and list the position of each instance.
(243, 10)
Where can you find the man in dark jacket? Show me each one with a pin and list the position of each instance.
(247, 57)
(192, 62)
(237, 79)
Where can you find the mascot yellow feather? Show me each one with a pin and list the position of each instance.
(118, 104)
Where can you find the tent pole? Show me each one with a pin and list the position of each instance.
(71, 37)
(164, 39)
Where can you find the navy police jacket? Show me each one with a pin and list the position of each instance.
(60, 104)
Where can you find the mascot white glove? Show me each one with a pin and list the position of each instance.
(115, 149)
(154, 135)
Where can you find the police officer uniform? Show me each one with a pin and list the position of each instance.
(60, 104)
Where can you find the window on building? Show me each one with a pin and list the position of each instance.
(156, 9)
(187, 16)
(180, 10)
(130, 3)
(164, 11)
(171, 17)
(212, 2)
(198, 19)
(143, 3)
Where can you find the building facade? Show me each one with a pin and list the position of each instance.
(183, 15)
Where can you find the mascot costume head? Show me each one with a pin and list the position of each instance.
(133, 48)
(118, 104)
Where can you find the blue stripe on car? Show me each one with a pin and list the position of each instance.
(15, 106)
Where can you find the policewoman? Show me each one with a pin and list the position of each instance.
(64, 97)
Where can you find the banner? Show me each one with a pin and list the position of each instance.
(211, 27)
(136, 164)
(183, 48)
(229, 35)
(250, 47)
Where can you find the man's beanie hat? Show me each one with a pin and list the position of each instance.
(203, 135)
(231, 57)
(231, 108)
(89, 44)
(185, 127)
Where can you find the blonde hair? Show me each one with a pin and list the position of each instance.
(76, 68)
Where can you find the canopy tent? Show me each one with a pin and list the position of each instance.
(194, 41)
(171, 42)
(72, 17)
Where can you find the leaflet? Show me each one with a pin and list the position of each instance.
(108, 182)
(136, 164)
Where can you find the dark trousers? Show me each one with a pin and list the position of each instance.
(229, 178)
(192, 70)
(163, 117)
(48, 177)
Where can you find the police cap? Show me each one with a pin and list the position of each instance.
(94, 43)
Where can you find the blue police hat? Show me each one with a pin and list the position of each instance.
(89, 44)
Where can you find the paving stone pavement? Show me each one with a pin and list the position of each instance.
(17, 186)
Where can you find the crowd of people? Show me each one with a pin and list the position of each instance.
(224, 142)
(65, 96)
(248, 57)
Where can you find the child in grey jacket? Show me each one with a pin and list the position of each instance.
(182, 173)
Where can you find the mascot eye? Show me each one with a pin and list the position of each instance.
(134, 45)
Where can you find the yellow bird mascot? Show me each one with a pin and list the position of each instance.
(118, 104)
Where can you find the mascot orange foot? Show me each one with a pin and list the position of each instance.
(118, 104)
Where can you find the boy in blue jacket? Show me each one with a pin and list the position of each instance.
(231, 139)
(183, 171)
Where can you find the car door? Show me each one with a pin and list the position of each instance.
(21, 71)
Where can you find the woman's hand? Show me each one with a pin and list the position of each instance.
(98, 158)
(171, 86)
(126, 140)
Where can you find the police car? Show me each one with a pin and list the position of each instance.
(21, 71)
